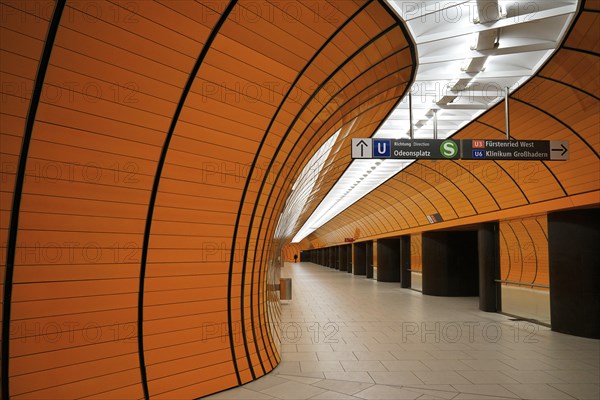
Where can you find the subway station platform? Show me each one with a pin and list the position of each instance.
(348, 337)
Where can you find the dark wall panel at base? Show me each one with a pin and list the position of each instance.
(388, 260)
(369, 260)
(332, 257)
(360, 254)
(343, 258)
(488, 241)
(349, 258)
(450, 265)
(574, 254)
(307, 256)
(405, 273)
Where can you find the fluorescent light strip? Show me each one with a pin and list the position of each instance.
(351, 187)
(302, 189)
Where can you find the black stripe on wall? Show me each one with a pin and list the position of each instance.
(249, 178)
(152, 201)
(18, 191)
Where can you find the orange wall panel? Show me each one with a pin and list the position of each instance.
(161, 152)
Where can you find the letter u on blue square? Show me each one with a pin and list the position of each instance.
(382, 148)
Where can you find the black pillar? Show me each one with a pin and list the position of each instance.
(388, 260)
(450, 263)
(331, 263)
(488, 247)
(405, 274)
(369, 259)
(573, 238)
(360, 250)
(349, 258)
(343, 258)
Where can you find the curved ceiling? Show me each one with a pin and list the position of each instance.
(561, 102)
(471, 53)
(146, 149)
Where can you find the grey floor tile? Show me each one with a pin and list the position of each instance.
(287, 367)
(581, 391)
(299, 356)
(468, 396)
(343, 386)
(336, 356)
(350, 376)
(441, 377)
(412, 355)
(487, 377)
(382, 346)
(386, 392)
(566, 364)
(433, 391)
(309, 380)
(329, 395)
(537, 391)
(405, 365)
(293, 391)
(366, 366)
(456, 346)
(449, 355)
(447, 365)
(488, 365)
(288, 348)
(527, 365)
(486, 354)
(374, 355)
(313, 347)
(265, 382)
(320, 366)
(397, 378)
(239, 393)
(303, 374)
(486, 390)
(349, 347)
(417, 346)
(533, 377)
(577, 376)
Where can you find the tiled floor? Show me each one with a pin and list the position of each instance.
(346, 337)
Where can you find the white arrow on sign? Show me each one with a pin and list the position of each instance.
(362, 148)
(559, 150)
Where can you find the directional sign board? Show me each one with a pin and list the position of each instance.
(466, 149)
(481, 149)
(402, 149)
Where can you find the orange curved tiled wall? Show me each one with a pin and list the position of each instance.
(561, 102)
(524, 252)
(289, 251)
(147, 149)
(416, 253)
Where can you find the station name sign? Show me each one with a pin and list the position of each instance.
(466, 149)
